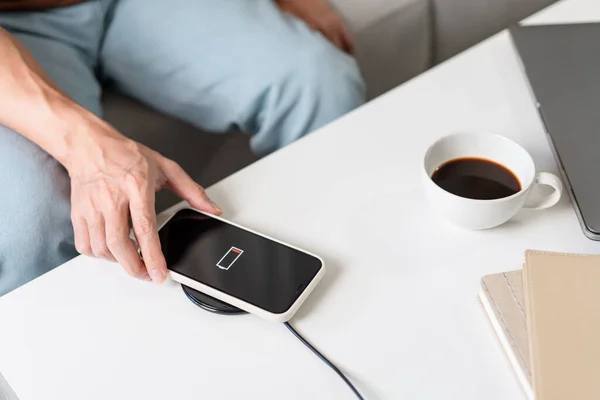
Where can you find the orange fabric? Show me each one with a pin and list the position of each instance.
(23, 5)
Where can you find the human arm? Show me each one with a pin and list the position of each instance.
(113, 179)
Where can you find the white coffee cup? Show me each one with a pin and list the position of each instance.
(483, 214)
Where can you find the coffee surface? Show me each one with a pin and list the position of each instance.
(476, 178)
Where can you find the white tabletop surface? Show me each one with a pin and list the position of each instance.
(397, 309)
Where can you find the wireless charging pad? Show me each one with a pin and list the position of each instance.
(210, 304)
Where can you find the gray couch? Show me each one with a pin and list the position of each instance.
(396, 40)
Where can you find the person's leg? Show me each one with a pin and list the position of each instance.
(220, 64)
(36, 233)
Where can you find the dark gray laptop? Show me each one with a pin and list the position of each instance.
(562, 64)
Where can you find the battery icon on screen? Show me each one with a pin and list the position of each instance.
(229, 258)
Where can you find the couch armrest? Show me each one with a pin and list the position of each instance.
(393, 39)
(459, 24)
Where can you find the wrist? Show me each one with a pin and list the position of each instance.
(61, 126)
(39, 111)
(86, 141)
(72, 135)
(75, 131)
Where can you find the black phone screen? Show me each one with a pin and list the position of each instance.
(235, 261)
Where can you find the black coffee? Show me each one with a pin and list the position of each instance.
(476, 178)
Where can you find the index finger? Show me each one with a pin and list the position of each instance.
(143, 220)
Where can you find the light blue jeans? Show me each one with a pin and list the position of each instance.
(215, 63)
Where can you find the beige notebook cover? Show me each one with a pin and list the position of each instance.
(562, 304)
(503, 299)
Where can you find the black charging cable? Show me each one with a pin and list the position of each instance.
(324, 359)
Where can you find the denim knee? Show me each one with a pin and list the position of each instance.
(36, 233)
(319, 85)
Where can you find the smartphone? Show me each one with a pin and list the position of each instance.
(248, 270)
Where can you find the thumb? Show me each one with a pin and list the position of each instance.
(185, 187)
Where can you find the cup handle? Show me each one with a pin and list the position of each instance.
(548, 179)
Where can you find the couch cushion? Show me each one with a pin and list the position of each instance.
(393, 39)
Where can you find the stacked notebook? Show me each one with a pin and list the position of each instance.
(547, 318)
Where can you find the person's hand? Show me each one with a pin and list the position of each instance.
(321, 17)
(113, 180)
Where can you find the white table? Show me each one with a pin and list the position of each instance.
(398, 308)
